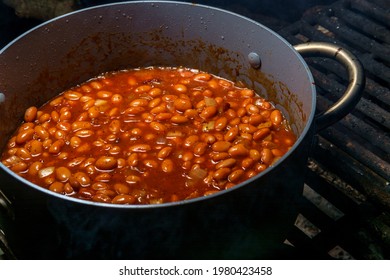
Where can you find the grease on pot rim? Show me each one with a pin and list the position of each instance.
(148, 135)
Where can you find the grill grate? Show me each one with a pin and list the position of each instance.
(345, 206)
(349, 167)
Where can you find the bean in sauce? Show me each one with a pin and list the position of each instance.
(148, 135)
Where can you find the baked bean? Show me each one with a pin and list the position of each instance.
(164, 152)
(238, 150)
(93, 112)
(247, 128)
(72, 95)
(116, 99)
(24, 136)
(30, 114)
(47, 144)
(112, 139)
(45, 172)
(104, 94)
(266, 156)
(219, 156)
(276, 117)
(204, 77)
(255, 119)
(19, 167)
(83, 148)
(254, 154)
(179, 119)
(159, 127)
(235, 121)
(106, 163)
(154, 102)
(68, 189)
(66, 115)
(57, 187)
(191, 140)
(115, 126)
(83, 116)
(154, 92)
(96, 85)
(163, 116)
(56, 147)
(200, 148)
(167, 165)
(57, 101)
(63, 155)
(143, 88)
(121, 163)
(100, 197)
(133, 179)
(79, 125)
(208, 138)
(241, 112)
(99, 186)
(247, 163)
(75, 142)
(83, 133)
(277, 153)
(247, 93)
(132, 81)
(208, 112)
(214, 84)
(34, 168)
(252, 109)
(221, 146)
(231, 134)
(236, 175)
(180, 88)
(25, 126)
(121, 188)
(79, 179)
(199, 159)
(230, 162)
(191, 113)
(182, 104)
(65, 126)
(133, 160)
(151, 163)
(188, 156)
(150, 137)
(123, 199)
(36, 147)
(139, 102)
(222, 173)
(140, 148)
(63, 174)
(44, 118)
(221, 123)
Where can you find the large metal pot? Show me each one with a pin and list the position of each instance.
(248, 221)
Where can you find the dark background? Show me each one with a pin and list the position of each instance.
(272, 13)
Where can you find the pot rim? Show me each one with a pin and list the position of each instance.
(307, 127)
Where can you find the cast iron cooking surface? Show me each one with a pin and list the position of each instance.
(345, 205)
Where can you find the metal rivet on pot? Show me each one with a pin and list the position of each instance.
(2, 97)
(254, 60)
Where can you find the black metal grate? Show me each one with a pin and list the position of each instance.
(345, 207)
(345, 211)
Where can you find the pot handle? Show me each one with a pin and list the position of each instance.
(356, 85)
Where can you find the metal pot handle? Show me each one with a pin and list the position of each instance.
(356, 85)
